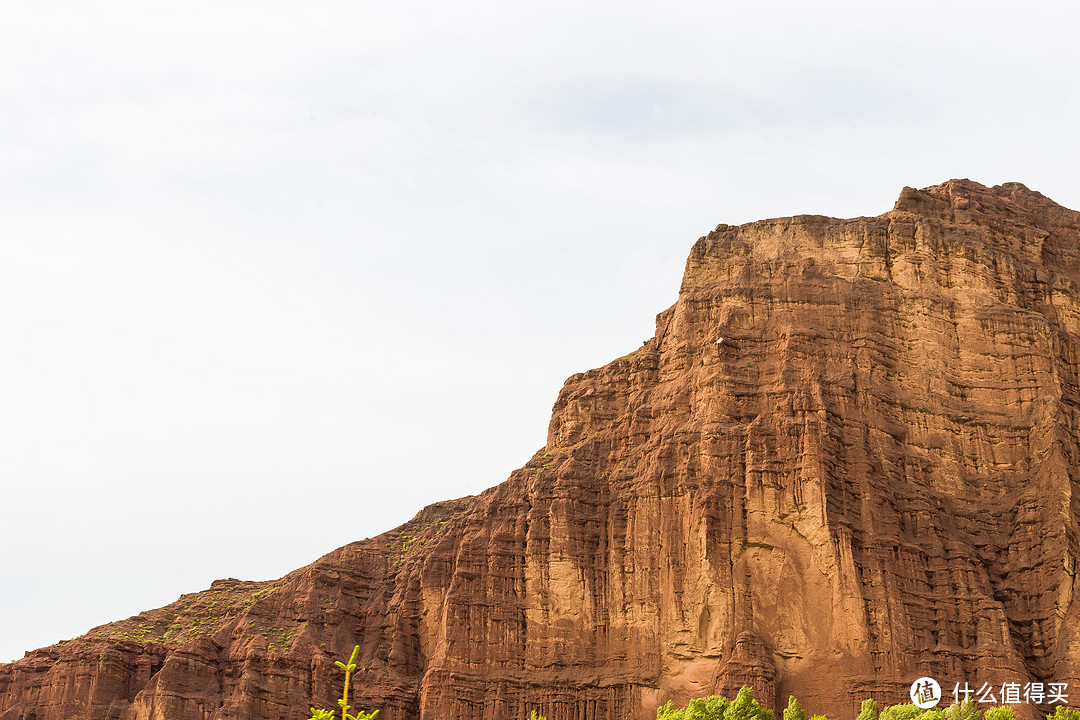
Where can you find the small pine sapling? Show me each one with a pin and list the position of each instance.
(344, 701)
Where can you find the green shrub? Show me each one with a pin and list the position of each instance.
(744, 707)
(793, 711)
(907, 711)
(962, 711)
(714, 707)
(701, 708)
(710, 708)
(1063, 713)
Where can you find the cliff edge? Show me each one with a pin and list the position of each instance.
(848, 457)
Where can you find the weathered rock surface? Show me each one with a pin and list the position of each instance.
(849, 457)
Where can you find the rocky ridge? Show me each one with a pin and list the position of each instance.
(847, 458)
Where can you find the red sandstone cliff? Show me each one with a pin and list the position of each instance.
(871, 477)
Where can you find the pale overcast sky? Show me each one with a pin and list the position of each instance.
(277, 274)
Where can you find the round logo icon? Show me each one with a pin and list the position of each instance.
(925, 692)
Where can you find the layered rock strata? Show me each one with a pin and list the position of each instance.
(847, 458)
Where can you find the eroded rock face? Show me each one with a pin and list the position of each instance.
(848, 458)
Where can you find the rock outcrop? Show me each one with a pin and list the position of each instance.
(849, 457)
